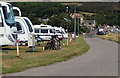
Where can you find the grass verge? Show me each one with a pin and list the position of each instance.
(11, 64)
(111, 37)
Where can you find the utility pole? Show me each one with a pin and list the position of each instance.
(67, 24)
(78, 25)
(75, 24)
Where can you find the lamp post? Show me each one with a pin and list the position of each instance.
(78, 25)
(67, 24)
(75, 24)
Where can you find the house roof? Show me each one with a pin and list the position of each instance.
(77, 14)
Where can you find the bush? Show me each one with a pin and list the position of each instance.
(84, 29)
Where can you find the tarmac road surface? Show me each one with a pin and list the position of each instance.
(100, 60)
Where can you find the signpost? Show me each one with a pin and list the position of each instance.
(17, 48)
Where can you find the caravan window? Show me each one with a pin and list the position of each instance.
(62, 32)
(19, 27)
(29, 25)
(9, 17)
(36, 30)
(1, 23)
(52, 31)
(58, 31)
(44, 31)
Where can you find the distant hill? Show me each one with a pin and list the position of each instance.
(94, 6)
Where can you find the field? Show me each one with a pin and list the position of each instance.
(111, 36)
(10, 63)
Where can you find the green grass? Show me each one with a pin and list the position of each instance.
(11, 64)
(111, 37)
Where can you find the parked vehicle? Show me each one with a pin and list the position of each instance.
(65, 35)
(114, 30)
(16, 8)
(25, 27)
(8, 30)
(59, 32)
(44, 31)
(101, 32)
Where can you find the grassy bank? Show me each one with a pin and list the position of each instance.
(39, 57)
(110, 36)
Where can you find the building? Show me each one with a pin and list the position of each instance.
(89, 23)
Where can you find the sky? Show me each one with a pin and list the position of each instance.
(96, 0)
(111, 0)
(65, 0)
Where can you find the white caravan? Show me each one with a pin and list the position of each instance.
(61, 32)
(65, 35)
(8, 30)
(44, 31)
(25, 27)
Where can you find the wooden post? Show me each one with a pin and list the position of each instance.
(17, 48)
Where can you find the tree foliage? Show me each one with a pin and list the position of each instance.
(105, 13)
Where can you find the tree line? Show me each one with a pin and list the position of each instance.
(56, 12)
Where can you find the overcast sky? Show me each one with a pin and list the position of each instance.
(63, 0)
(88, 0)
(111, 0)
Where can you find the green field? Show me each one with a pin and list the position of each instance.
(110, 36)
(10, 63)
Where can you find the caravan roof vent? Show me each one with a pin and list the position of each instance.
(42, 24)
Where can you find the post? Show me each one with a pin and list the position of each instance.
(17, 48)
(75, 24)
(0, 48)
(78, 25)
(67, 25)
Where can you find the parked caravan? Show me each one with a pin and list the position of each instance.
(65, 35)
(8, 30)
(44, 31)
(24, 26)
(59, 32)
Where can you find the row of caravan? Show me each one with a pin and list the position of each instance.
(46, 31)
(41, 32)
(17, 27)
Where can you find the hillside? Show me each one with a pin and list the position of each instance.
(94, 6)
(102, 12)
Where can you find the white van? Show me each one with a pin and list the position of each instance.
(44, 31)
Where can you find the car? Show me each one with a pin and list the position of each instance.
(101, 33)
